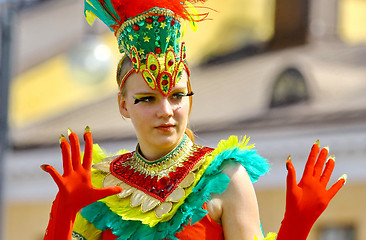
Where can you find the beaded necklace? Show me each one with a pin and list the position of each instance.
(156, 185)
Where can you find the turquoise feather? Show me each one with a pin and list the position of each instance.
(103, 13)
(212, 181)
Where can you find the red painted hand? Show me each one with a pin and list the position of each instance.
(75, 188)
(306, 201)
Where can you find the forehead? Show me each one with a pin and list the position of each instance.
(136, 83)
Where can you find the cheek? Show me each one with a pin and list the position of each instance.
(138, 114)
(182, 110)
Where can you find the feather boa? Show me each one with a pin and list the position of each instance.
(213, 181)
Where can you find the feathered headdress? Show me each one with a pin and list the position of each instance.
(148, 32)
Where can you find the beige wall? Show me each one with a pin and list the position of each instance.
(347, 208)
(28, 221)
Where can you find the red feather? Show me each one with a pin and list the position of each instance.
(130, 8)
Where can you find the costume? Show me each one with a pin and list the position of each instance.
(158, 200)
(128, 198)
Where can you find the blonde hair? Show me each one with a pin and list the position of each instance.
(125, 65)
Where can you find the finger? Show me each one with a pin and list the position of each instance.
(57, 178)
(108, 191)
(66, 159)
(88, 151)
(337, 186)
(75, 150)
(319, 165)
(291, 175)
(309, 166)
(324, 179)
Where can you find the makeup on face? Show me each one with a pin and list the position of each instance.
(149, 97)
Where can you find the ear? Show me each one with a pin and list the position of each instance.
(122, 106)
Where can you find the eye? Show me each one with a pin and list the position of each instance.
(179, 95)
(144, 99)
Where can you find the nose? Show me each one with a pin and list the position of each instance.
(165, 109)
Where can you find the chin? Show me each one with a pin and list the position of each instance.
(168, 140)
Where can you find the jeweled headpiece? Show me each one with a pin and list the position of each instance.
(148, 32)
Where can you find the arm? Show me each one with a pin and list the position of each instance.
(306, 201)
(238, 206)
(75, 188)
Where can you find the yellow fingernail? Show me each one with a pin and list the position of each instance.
(344, 176)
(61, 138)
(87, 130)
(43, 167)
(317, 142)
(332, 157)
(327, 147)
(288, 160)
(69, 131)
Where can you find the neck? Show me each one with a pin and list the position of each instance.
(152, 154)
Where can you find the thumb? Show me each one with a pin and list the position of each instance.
(108, 191)
(337, 186)
(291, 175)
(57, 178)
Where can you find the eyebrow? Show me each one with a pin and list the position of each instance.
(180, 89)
(144, 93)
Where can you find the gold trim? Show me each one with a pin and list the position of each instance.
(163, 167)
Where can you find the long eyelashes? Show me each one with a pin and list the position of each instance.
(151, 98)
(180, 95)
(143, 99)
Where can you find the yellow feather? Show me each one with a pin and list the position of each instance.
(90, 17)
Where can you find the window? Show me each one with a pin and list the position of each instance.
(337, 233)
(289, 88)
(352, 17)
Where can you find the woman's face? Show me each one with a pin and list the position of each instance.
(159, 121)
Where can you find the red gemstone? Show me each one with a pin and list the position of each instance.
(170, 63)
(172, 22)
(164, 82)
(149, 20)
(153, 67)
(161, 19)
(163, 182)
(157, 50)
(136, 27)
(134, 60)
(184, 55)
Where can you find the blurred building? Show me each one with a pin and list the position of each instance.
(284, 72)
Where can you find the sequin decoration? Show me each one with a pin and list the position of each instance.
(77, 236)
(165, 83)
(156, 186)
(135, 59)
(152, 41)
(149, 79)
(153, 65)
(170, 61)
(178, 72)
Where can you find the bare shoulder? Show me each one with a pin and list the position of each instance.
(236, 208)
(239, 180)
(239, 184)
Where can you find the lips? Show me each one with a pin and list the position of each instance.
(166, 127)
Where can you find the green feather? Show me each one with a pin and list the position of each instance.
(105, 13)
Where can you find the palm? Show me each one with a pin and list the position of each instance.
(310, 197)
(306, 201)
(75, 185)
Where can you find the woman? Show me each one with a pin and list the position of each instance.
(169, 187)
